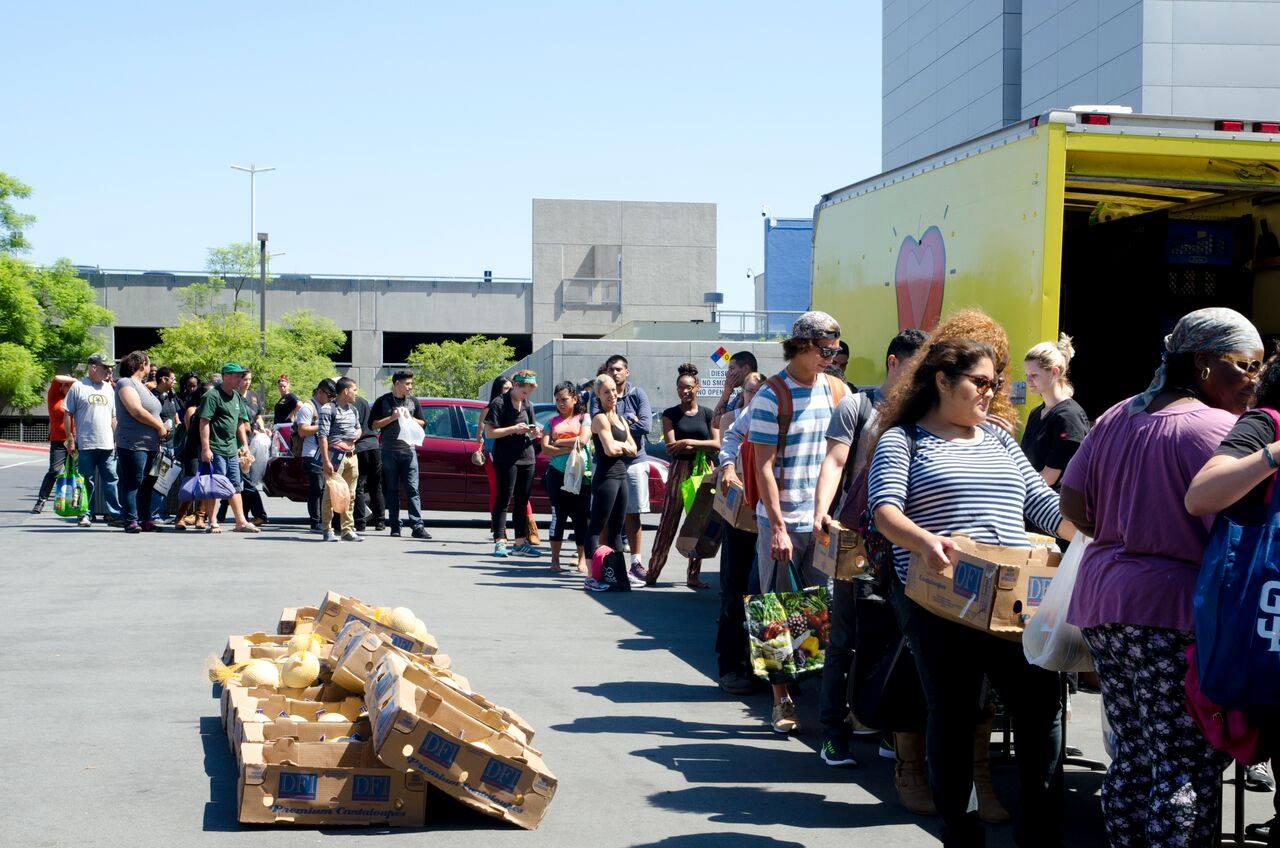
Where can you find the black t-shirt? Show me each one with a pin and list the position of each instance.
(1052, 438)
(696, 426)
(254, 405)
(170, 407)
(368, 438)
(386, 405)
(516, 449)
(1253, 432)
(284, 406)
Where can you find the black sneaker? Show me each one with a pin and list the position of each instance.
(737, 683)
(39, 507)
(380, 526)
(395, 531)
(1257, 778)
(835, 752)
(421, 533)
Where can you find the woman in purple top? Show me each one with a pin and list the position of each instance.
(1125, 488)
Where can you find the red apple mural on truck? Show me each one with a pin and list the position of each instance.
(919, 279)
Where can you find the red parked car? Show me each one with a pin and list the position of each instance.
(447, 479)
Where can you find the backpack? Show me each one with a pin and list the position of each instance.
(750, 484)
(295, 438)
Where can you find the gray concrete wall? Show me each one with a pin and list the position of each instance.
(951, 71)
(653, 364)
(668, 262)
(367, 307)
(1082, 52)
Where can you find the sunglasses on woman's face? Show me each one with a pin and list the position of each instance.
(1251, 367)
(984, 383)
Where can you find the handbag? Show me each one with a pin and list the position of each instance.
(1236, 609)
(170, 476)
(1048, 640)
(339, 493)
(690, 485)
(703, 528)
(574, 471)
(477, 457)
(1229, 731)
(159, 464)
(609, 570)
(788, 632)
(206, 486)
(70, 495)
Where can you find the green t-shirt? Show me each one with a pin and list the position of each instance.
(224, 413)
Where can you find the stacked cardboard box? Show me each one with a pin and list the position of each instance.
(312, 756)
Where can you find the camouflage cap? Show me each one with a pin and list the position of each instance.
(814, 325)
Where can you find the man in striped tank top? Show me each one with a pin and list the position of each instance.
(788, 474)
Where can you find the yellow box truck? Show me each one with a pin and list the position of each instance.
(1104, 224)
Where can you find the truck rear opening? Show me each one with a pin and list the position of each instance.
(1144, 219)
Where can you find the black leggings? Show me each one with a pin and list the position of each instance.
(57, 461)
(566, 506)
(608, 509)
(517, 481)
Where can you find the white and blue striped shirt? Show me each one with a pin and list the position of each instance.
(983, 489)
(806, 444)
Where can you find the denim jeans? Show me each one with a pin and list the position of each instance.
(100, 461)
(952, 660)
(135, 485)
(400, 470)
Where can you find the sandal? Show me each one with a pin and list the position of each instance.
(555, 568)
(697, 584)
(245, 528)
(213, 528)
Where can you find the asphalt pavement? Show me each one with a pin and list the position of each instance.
(114, 738)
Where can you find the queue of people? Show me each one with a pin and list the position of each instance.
(927, 455)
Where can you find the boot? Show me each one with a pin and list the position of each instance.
(990, 810)
(909, 776)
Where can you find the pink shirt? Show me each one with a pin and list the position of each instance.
(1134, 472)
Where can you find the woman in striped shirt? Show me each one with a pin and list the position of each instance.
(939, 469)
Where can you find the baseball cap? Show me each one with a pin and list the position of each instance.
(814, 325)
(232, 368)
(102, 359)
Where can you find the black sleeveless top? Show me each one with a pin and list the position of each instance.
(609, 466)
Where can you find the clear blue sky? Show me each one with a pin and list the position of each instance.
(410, 140)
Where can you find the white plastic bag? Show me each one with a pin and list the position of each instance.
(260, 447)
(1049, 641)
(573, 471)
(411, 432)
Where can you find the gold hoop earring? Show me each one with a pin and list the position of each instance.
(1204, 375)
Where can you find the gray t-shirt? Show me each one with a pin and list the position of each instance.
(339, 423)
(132, 434)
(846, 429)
(306, 414)
(92, 407)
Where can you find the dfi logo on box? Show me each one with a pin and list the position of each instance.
(967, 580)
(301, 785)
(439, 750)
(1036, 588)
(404, 643)
(371, 787)
(501, 775)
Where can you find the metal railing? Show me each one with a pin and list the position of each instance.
(289, 276)
(760, 324)
(591, 292)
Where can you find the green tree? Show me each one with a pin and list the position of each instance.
(231, 267)
(12, 222)
(299, 345)
(70, 314)
(459, 369)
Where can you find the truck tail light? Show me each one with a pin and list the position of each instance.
(1229, 126)
(1096, 120)
(1272, 127)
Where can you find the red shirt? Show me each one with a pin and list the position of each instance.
(57, 422)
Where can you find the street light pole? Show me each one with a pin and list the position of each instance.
(262, 292)
(252, 171)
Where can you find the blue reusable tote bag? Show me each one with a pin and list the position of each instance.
(1237, 610)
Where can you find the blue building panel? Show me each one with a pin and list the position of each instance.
(788, 268)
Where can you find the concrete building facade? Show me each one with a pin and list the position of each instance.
(599, 264)
(954, 69)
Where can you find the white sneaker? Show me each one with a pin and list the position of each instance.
(352, 536)
(329, 536)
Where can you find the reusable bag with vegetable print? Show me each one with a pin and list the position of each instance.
(788, 631)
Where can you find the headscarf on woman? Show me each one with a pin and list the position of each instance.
(1213, 330)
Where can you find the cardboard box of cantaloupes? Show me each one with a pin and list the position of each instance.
(336, 610)
(291, 781)
(357, 650)
(476, 752)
